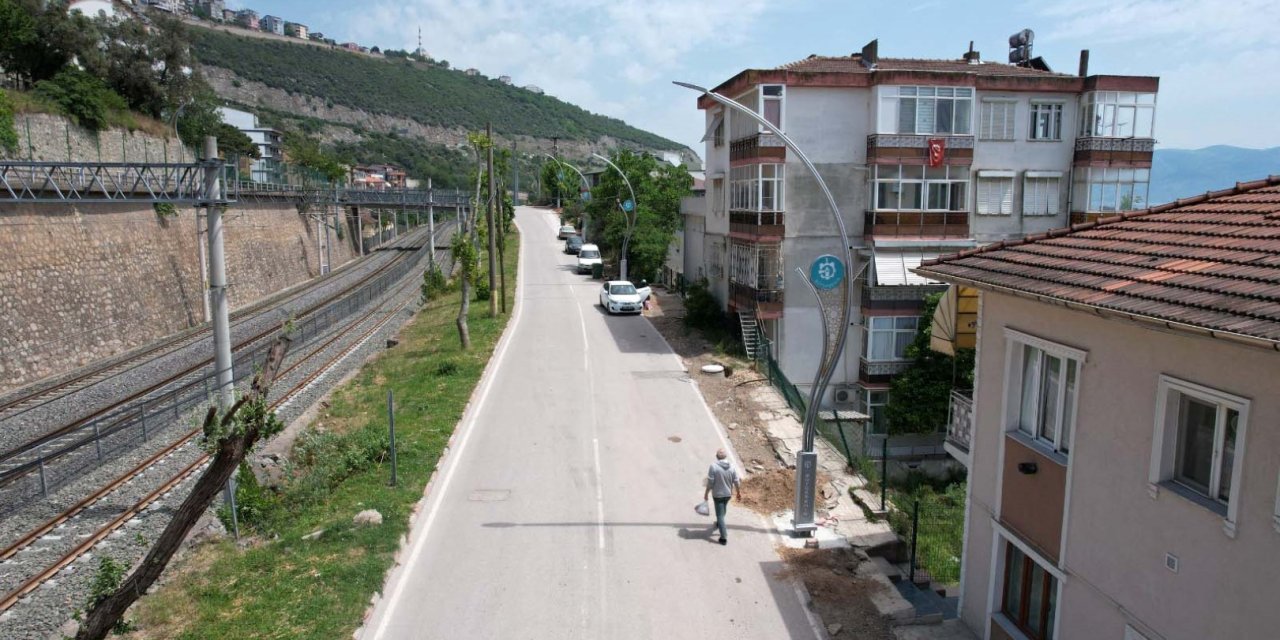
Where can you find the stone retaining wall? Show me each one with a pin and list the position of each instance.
(81, 283)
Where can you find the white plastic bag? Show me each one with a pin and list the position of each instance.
(703, 508)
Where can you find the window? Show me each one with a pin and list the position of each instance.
(874, 402)
(1199, 443)
(771, 104)
(717, 131)
(1030, 594)
(1040, 193)
(717, 196)
(996, 120)
(1117, 114)
(889, 336)
(1046, 121)
(995, 193)
(758, 266)
(756, 187)
(1107, 190)
(917, 187)
(926, 110)
(1044, 379)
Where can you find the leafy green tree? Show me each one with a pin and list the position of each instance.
(305, 151)
(38, 39)
(659, 187)
(201, 118)
(8, 133)
(920, 396)
(83, 97)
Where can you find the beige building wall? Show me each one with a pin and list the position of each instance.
(1117, 529)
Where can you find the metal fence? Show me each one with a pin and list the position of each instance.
(91, 443)
(932, 526)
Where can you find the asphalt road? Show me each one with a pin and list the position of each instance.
(565, 509)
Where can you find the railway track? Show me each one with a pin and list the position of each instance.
(388, 309)
(32, 457)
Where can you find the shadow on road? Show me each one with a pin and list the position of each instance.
(685, 530)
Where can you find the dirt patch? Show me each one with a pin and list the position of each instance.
(774, 490)
(839, 596)
(727, 396)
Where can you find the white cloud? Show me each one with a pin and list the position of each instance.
(1239, 23)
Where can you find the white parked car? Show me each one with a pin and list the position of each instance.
(588, 255)
(620, 296)
(565, 231)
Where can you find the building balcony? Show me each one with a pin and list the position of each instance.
(1134, 152)
(757, 225)
(758, 147)
(767, 302)
(894, 148)
(878, 369)
(917, 224)
(960, 425)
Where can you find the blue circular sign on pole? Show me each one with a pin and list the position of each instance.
(628, 205)
(826, 272)
(586, 196)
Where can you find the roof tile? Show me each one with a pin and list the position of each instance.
(1211, 261)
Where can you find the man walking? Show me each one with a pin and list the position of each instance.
(722, 483)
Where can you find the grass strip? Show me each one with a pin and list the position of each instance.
(286, 587)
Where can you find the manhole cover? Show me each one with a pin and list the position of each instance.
(489, 495)
(675, 438)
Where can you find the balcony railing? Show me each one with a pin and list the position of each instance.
(1140, 145)
(960, 424)
(910, 141)
(934, 224)
(757, 224)
(758, 145)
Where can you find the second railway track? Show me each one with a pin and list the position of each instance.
(169, 482)
(34, 455)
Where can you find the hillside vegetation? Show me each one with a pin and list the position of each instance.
(431, 95)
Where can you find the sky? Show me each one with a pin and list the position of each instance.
(1217, 60)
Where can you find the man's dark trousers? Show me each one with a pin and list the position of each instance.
(722, 505)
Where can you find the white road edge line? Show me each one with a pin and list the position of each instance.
(467, 428)
(802, 597)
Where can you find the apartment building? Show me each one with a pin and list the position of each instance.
(272, 24)
(924, 158)
(1124, 457)
(270, 142)
(295, 30)
(247, 18)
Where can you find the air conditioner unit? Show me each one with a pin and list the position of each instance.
(845, 397)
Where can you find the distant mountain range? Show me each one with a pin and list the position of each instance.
(1181, 173)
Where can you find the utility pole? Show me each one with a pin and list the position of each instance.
(431, 224)
(493, 229)
(218, 297)
(555, 152)
(515, 169)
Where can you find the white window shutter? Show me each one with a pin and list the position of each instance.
(1006, 195)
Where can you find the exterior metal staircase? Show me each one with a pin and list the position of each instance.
(750, 333)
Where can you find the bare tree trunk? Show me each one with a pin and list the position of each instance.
(464, 333)
(231, 452)
(493, 230)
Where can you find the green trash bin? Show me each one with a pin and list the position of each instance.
(597, 271)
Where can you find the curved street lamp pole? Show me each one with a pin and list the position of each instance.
(585, 183)
(631, 218)
(807, 459)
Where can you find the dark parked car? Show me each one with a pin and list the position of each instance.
(573, 245)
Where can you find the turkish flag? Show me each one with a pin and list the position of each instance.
(937, 151)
